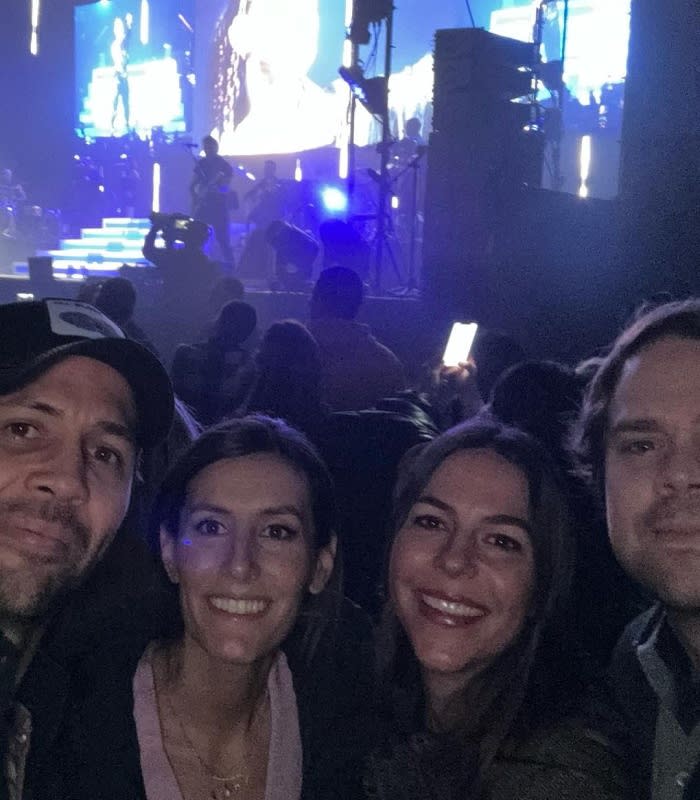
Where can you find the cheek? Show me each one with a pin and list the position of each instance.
(290, 574)
(106, 512)
(409, 560)
(195, 565)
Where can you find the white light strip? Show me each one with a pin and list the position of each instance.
(145, 22)
(155, 205)
(344, 137)
(343, 157)
(584, 165)
(35, 13)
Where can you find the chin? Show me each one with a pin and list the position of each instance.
(443, 662)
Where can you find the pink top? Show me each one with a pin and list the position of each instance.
(284, 765)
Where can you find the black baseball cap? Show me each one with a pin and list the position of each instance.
(35, 336)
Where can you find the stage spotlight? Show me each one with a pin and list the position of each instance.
(334, 200)
(371, 92)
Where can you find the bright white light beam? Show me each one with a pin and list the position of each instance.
(145, 18)
(155, 205)
(35, 13)
(584, 165)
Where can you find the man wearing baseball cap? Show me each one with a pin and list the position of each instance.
(78, 403)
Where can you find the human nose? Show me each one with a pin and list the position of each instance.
(680, 469)
(458, 554)
(242, 560)
(61, 474)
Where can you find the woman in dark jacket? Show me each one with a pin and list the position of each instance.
(483, 697)
(261, 690)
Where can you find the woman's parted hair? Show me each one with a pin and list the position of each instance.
(250, 436)
(496, 700)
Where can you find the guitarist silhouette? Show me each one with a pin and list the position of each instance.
(212, 197)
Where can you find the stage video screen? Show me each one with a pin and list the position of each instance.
(134, 67)
(595, 58)
(267, 72)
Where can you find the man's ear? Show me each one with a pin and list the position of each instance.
(325, 559)
(167, 554)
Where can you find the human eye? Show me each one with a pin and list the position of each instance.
(637, 447)
(21, 430)
(109, 456)
(279, 533)
(429, 522)
(505, 542)
(209, 527)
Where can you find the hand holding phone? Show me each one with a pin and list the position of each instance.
(459, 344)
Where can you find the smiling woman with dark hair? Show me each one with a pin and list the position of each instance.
(259, 687)
(482, 692)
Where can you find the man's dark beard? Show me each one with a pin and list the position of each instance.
(51, 581)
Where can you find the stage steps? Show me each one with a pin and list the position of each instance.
(99, 252)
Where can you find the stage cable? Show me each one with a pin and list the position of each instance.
(471, 16)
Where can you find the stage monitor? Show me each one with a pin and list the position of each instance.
(134, 67)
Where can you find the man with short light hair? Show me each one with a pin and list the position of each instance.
(639, 436)
(78, 404)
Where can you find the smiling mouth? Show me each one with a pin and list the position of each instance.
(450, 608)
(240, 608)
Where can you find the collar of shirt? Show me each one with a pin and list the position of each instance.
(669, 671)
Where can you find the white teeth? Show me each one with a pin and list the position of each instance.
(241, 607)
(455, 609)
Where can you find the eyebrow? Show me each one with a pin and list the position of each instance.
(636, 425)
(509, 519)
(433, 501)
(106, 425)
(119, 430)
(210, 507)
(496, 519)
(284, 509)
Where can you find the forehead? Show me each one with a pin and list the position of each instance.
(661, 380)
(483, 477)
(250, 482)
(83, 386)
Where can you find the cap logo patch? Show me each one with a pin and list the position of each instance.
(71, 318)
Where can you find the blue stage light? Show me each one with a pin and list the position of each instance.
(335, 200)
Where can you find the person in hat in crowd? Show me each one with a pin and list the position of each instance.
(79, 402)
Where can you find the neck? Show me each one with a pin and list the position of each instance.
(444, 698)
(215, 692)
(686, 626)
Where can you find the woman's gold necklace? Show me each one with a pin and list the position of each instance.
(227, 787)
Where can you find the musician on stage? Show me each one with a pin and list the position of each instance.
(266, 198)
(12, 197)
(212, 196)
(119, 51)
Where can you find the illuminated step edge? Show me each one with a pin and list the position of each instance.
(128, 234)
(126, 222)
(80, 269)
(85, 252)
